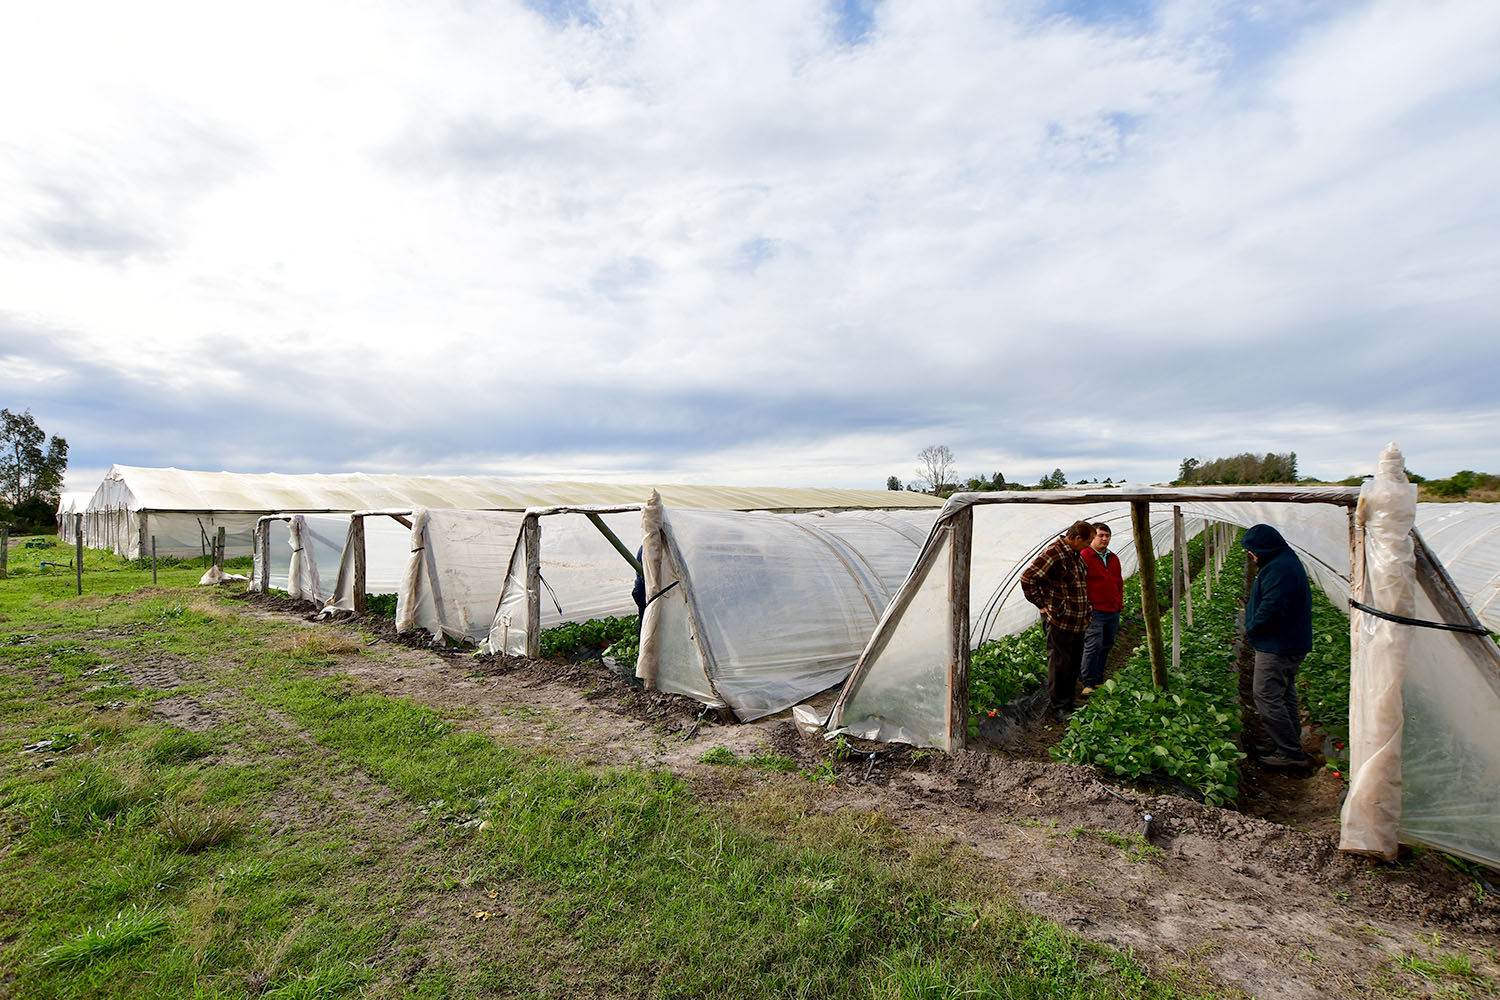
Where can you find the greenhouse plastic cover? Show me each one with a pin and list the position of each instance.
(583, 575)
(759, 610)
(388, 546)
(184, 502)
(1466, 539)
(909, 649)
(69, 504)
(455, 571)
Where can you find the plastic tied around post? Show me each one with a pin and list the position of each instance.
(1372, 808)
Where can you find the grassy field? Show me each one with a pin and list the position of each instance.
(197, 804)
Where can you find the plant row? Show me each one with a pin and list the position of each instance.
(1184, 734)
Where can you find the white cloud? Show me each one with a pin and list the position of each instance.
(723, 234)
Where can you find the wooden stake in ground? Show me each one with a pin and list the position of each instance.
(4, 550)
(1176, 588)
(1140, 521)
(78, 546)
(219, 549)
(1209, 554)
(357, 541)
(153, 560)
(959, 542)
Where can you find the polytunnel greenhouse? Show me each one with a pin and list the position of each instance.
(1425, 754)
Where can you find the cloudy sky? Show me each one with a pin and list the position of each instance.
(787, 242)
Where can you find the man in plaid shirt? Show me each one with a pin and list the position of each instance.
(1057, 583)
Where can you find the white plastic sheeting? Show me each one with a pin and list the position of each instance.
(1450, 753)
(317, 543)
(580, 575)
(387, 551)
(1465, 537)
(1378, 657)
(455, 571)
(69, 505)
(758, 611)
(271, 556)
(133, 503)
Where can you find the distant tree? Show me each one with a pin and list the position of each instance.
(892, 483)
(1055, 481)
(1237, 470)
(1107, 482)
(26, 471)
(997, 481)
(936, 466)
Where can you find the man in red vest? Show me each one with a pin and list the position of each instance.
(1107, 596)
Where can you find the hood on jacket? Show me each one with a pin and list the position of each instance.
(1263, 540)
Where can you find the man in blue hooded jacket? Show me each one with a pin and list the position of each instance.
(1278, 626)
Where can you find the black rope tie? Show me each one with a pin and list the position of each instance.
(662, 591)
(1420, 623)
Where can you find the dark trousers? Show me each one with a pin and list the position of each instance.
(1098, 640)
(1064, 657)
(1275, 689)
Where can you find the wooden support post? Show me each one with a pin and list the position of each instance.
(4, 550)
(598, 522)
(1187, 568)
(1210, 553)
(264, 543)
(153, 560)
(960, 538)
(531, 539)
(203, 543)
(78, 548)
(357, 540)
(1140, 520)
(219, 549)
(1177, 575)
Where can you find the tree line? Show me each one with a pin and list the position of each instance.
(937, 474)
(1238, 470)
(31, 476)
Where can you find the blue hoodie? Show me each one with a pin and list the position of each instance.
(1278, 612)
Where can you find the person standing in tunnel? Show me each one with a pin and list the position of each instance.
(1278, 626)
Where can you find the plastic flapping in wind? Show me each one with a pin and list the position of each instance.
(563, 568)
(298, 554)
(1008, 531)
(758, 611)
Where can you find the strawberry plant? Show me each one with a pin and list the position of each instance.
(566, 639)
(1323, 678)
(1003, 669)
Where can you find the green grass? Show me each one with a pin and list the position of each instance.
(362, 834)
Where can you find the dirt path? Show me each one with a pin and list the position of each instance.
(1273, 910)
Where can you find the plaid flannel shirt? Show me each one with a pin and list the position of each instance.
(1058, 583)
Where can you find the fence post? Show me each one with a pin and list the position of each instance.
(219, 549)
(153, 560)
(4, 550)
(78, 546)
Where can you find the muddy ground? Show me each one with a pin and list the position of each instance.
(1262, 900)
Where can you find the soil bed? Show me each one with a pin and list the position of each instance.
(1263, 899)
